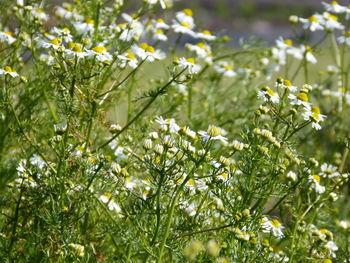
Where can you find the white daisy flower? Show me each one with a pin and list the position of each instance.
(225, 68)
(206, 35)
(334, 7)
(100, 53)
(268, 94)
(63, 34)
(202, 50)
(329, 171)
(315, 116)
(133, 29)
(313, 23)
(7, 70)
(40, 14)
(345, 38)
(107, 199)
(128, 58)
(85, 28)
(67, 12)
(330, 22)
(145, 51)
(273, 226)
(7, 36)
(315, 181)
(190, 64)
(300, 99)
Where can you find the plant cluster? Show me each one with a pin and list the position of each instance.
(139, 137)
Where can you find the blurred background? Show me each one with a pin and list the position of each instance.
(264, 19)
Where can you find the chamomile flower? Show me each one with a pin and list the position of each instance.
(329, 171)
(304, 51)
(315, 116)
(48, 59)
(154, 2)
(36, 160)
(285, 84)
(345, 38)
(107, 199)
(67, 12)
(334, 7)
(100, 53)
(167, 124)
(206, 35)
(7, 37)
(86, 27)
(213, 133)
(54, 43)
(201, 49)
(160, 24)
(190, 64)
(315, 181)
(300, 99)
(183, 28)
(330, 22)
(63, 34)
(159, 35)
(39, 14)
(313, 23)
(225, 68)
(268, 94)
(76, 50)
(145, 51)
(7, 70)
(133, 29)
(331, 247)
(185, 16)
(273, 226)
(128, 59)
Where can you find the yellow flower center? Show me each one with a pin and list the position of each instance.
(191, 60)
(313, 19)
(55, 41)
(185, 25)
(228, 67)
(159, 31)
(275, 223)
(108, 196)
(99, 49)
(270, 92)
(149, 49)
(66, 30)
(143, 46)
(318, 180)
(327, 260)
(308, 49)
(89, 21)
(214, 131)
(206, 32)
(77, 48)
(201, 45)
(303, 97)
(334, 3)
(332, 17)
(287, 83)
(159, 20)
(8, 69)
(130, 55)
(191, 182)
(288, 42)
(347, 34)
(9, 33)
(188, 12)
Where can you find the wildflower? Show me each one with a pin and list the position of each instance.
(213, 133)
(159, 35)
(7, 70)
(40, 14)
(292, 176)
(154, 2)
(329, 171)
(36, 160)
(331, 247)
(315, 116)
(345, 38)
(312, 23)
(100, 53)
(273, 226)
(190, 64)
(184, 23)
(286, 84)
(67, 12)
(304, 51)
(168, 124)
(132, 30)
(300, 99)
(334, 7)
(79, 249)
(85, 28)
(330, 22)
(268, 94)
(53, 43)
(7, 37)
(188, 132)
(192, 249)
(128, 58)
(238, 146)
(213, 248)
(145, 51)
(315, 181)
(76, 51)
(202, 50)
(107, 199)
(206, 35)
(225, 68)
